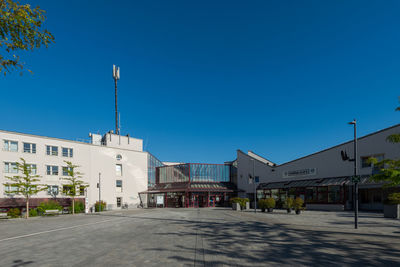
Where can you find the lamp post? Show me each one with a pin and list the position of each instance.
(99, 192)
(255, 188)
(355, 178)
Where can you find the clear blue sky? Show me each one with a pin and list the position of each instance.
(200, 79)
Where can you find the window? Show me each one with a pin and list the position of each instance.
(119, 185)
(52, 190)
(10, 167)
(65, 171)
(51, 170)
(10, 189)
(366, 164)
(29, 148)
(52, 150)
(33, 169)
(67, 189)
(119, 201)
(67, 152)
(10, 145)
(119, 157)
(118, 169)
(81, 190)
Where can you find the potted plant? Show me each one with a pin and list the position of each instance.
(289, 204)
(262, 204)
(298, 204)
(391, 208)
(270, 202)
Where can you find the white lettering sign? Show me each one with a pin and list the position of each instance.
(302, 172)
(160, 200)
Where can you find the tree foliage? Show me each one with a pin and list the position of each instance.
(21, 29)
(25, 184)
(74, 182)
(389, 169)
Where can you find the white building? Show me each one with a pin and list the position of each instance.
(119, 162)
(322, 179)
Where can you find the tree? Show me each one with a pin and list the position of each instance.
(75, 182)
(389, 169)
(21, 29)
(24, 184)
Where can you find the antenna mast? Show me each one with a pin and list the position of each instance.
(116, 78)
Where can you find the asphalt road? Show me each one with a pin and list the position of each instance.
(190, 237)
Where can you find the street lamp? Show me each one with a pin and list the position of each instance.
(255, 188)
(355, 178)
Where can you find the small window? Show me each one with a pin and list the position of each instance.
(10, 167)
(30, 148)
(10, 145)
(118, 184)
(66, 170)
(366, 164)
(51, 170)
(67, 152)
(119, 201)
(10, 189)
(66, 189)
(33, 169)
(52, 190)
(118, 169)
(52, 150)
(119, 157)
(81, 190)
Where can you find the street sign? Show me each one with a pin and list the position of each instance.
(355, 179)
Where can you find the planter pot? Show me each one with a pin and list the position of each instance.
(263, 210)
(247, 205)
(270, 209)
(289, 210)
(235, 206)
(298, 212)
(391, 211)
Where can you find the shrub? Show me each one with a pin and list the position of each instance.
(48, 205)
(270, 202)
(289, 203)
(14, 213)
(298, 203)
(102, 205)
(242, 201)
(79, 207)
(394, 199)
(33, 213)
(262, 204)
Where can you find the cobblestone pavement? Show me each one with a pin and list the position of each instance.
(201, 237)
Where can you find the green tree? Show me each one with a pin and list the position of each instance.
(24, 184)
(75, 182)
(389, 169)
(21, 29)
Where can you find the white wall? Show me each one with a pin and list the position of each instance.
(93, 159)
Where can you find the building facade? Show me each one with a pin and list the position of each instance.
(117, 163)
(191, 185)
(322, 179)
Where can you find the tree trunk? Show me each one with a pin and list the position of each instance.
(73, 205)
(27, 209)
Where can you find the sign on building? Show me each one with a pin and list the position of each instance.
(297, 173)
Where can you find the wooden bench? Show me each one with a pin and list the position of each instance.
(51, 212)
(3, 215)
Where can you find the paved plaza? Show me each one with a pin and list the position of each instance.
(201, 237)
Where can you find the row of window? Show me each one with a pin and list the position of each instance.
(54, 189)
(12, 146)
(11, 167)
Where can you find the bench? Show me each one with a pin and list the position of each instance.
(51, 212)
(3, 215)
